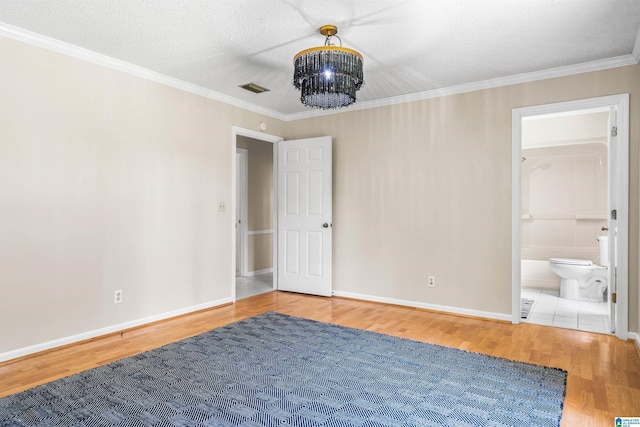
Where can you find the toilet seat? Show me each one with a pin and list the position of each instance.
(571, 261)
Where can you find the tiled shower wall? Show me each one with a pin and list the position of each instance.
(564, 201)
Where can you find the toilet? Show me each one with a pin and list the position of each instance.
(581, 279)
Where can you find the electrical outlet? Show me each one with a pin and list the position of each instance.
(221, 207)
(431, 280)
(117, 296)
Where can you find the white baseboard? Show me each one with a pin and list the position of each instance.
(107, 330)
(258, 232)
(540, 284)
(446, 309)
(435, 307)
(139, 322)
(257, 272)
(636, 337)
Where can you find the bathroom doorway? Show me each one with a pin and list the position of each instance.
(567, 182)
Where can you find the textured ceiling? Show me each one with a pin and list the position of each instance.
(408, 46)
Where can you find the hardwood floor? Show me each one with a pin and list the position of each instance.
(604, 372)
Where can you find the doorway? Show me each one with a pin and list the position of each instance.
(570, 189)
(301, 218)
(564, 216)
(242, 182)
(254, 205)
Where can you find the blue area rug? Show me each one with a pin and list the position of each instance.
(278, 370)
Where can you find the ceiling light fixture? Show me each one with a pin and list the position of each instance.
(328, 76)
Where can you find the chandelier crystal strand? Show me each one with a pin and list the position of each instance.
(329, 76)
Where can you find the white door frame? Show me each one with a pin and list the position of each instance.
(235, 132)
(621, 102)
(242, 185)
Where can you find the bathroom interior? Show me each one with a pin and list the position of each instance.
(565, 255)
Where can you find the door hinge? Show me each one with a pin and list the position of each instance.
(614, 131)
(614, 214)
(614, 297)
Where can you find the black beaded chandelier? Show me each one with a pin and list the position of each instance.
(328, 76)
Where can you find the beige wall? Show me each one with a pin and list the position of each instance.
(112, 182)
(260, 203)
(424, 188)
(109, 182)
(260, 250)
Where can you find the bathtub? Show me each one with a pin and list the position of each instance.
(537, 274)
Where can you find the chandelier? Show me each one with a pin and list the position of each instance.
(328, 76)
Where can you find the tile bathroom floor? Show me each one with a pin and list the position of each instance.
(253, 285)
(549, 309)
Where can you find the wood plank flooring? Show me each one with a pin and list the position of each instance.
(604, 372)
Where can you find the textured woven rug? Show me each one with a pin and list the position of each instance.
(278, 370)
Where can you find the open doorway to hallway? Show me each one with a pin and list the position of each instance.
(254, 217)
(248, 286)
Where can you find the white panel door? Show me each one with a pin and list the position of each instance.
(304, 216)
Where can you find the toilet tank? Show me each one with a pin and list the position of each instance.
(603, 243)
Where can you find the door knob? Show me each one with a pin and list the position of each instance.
(605, 229)
(325, 225)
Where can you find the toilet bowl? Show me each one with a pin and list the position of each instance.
(581, 278)
(572, 273)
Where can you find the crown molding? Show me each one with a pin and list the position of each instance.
(636, 49)
(603, 64)
(126, 67)
(68, 49)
